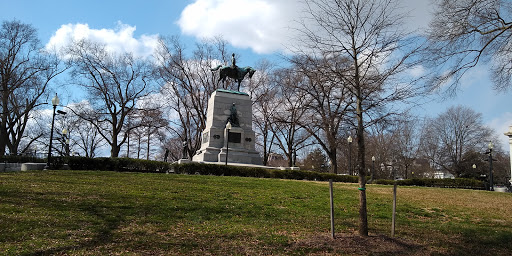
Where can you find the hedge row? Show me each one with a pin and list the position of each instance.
(21, 159)
(113, 164)
(443, 183)
(137, 165)
(223, 170)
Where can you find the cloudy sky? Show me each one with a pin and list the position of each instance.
(255, 29)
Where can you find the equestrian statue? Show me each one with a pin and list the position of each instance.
(233, 72)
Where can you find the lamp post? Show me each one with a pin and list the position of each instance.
(228, 128)
(55, 102)
(65, 142)
(509, 135)
(373, 168)
(294, 157)
(491, 187)
(349, 140)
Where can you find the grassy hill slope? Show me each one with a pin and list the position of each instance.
(99, 213)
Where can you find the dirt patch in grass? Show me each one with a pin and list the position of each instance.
(346, 244)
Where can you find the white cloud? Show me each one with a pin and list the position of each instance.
(417, 71)
(262, 25)
(419, 13)
(118, 40)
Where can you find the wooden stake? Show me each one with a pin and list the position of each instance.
(332, 209)
(394, 212)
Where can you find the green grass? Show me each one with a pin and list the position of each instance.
(100, 213)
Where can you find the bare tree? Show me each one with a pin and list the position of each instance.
(263, 91)
(365, 38)
(36, 135)
(326, 103)
(404, 139)
(289, 135)
(25, 73)
(87, 138)
(448, 138)
(464, 33)
(153, 122)
(188, 83)
(114, 83)
(84, 136)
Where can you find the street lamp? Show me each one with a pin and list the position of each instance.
(65, 141)
(373, 168)
(294, 157)
(491, 146)
(55, 102)
(228, 128)
(349, 140)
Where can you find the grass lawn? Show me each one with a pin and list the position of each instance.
(109, 213)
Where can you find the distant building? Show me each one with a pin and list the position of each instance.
(443, 175)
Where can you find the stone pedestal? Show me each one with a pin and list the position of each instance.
(237, 107)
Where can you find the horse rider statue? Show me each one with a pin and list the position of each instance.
(234, 72)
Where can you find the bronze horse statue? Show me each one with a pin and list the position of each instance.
(236, 73)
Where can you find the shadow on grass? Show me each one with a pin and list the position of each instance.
(480, 241)
(95, 217)
(357, 245)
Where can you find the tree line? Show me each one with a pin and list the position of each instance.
(349, 75)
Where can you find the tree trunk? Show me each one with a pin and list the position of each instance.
(128, 147)
(3, 123)
(334, 161)
(363, 215)
(114, 151)
(138, 148)
(149, 135)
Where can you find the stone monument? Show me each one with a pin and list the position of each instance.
(228, 136)
(236, 108)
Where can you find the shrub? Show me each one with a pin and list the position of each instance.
(138, 165)
(443, 183)
(116, 164)
(21, 159)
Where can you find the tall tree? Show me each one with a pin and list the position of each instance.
(84, 136)
(464, 33)
(188, 83)
(448, 138)
(263, 91)
(114, 83)
(153, 122)
(290, 136)
(405, 139)
(326, 103)
(25, 73)
(366, 37)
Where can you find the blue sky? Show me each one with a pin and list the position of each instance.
(259, 29)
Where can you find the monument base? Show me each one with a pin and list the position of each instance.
(236, 142)
(252, 165)
(235, 155)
